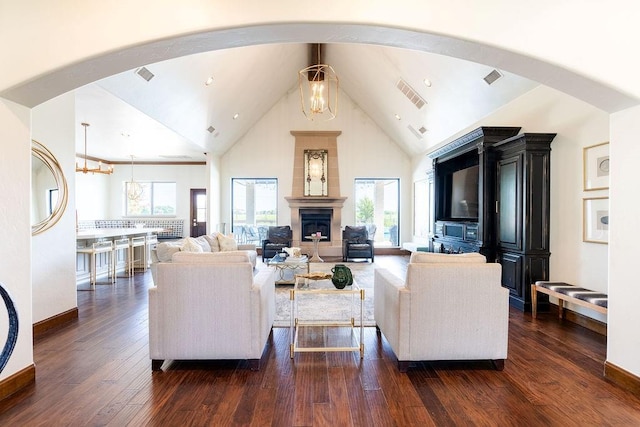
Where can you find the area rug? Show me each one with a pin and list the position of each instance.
(327, 306)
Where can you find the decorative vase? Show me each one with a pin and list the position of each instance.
(341, 276)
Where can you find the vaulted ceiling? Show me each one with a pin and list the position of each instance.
(167, 117)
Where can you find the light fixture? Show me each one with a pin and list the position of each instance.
(85, 169)
(236, 115)
(318, 88)
(135, 191)
(427, 82)
(208, 81)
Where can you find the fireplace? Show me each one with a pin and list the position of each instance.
(314, 220)
(321, 213)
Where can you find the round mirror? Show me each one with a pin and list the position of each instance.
(49, 192)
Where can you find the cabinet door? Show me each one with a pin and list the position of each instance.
(509, 203)
(511, 273)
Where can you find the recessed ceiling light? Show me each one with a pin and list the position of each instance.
(397, 117)
(235, 116)
(427, 82)
(209, 81)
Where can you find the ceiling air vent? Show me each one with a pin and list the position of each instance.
(422, 130)
(210, 129)
(492, 77)
(415, 132)
(144, 73)
(411, 94)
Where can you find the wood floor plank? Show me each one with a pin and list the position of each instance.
(95, 370)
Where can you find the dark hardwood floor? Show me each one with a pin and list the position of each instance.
(96, 371)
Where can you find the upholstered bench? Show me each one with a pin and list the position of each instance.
(571, 293)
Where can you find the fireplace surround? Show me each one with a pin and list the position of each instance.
(330, 205)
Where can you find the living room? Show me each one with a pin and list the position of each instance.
(369, 153)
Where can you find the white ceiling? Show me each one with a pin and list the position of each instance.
(166, 119)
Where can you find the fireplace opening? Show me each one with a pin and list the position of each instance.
(315, 220)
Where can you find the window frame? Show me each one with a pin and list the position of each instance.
(152, 208)
(381, 243)
(239, 236)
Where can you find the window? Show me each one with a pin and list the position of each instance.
(52, 200)
(377, 207)
(254, 204)
(150, 198)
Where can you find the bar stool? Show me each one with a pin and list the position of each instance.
(119, 245)
(137, 242)
(101, 247)
(150, 243)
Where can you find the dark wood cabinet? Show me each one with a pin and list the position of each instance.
(523, 165)
(512, 222)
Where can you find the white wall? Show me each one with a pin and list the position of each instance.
(15, 252)
(186, 177)
(364, 151)
(53, 251)
(91, 189)
(577, 125)
(623, 343)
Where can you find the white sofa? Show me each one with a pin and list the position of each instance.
(449, 307)
(213, 243)
(207, 306)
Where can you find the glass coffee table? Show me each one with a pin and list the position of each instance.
(288, 267)
(313, 291)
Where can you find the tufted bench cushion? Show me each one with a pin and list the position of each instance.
(571, 293)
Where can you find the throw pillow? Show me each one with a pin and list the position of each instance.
(190, 245)
(202, 241)
(213, 241)
(165, 250)
(227, 243)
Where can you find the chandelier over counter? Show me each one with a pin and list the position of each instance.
(85, 169)
(135, 190)
(318, 88)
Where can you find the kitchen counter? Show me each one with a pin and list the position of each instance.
(107, 233)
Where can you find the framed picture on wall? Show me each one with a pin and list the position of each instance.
(596, 166)
(595, 220)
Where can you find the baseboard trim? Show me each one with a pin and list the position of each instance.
(17, 381)
(587, 322)
(622, 378)
(42, 326)
(582, 320)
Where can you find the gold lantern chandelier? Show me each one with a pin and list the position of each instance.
(85, 169)
(318, 88)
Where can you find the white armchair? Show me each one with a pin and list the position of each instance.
(206, 307)
(450, 307)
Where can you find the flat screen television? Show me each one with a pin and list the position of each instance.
(464, 193)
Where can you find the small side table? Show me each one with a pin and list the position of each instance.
(315, 257)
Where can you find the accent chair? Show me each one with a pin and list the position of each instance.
(278, 238)
(356, 243)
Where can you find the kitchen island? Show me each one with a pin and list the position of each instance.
(117, 260)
